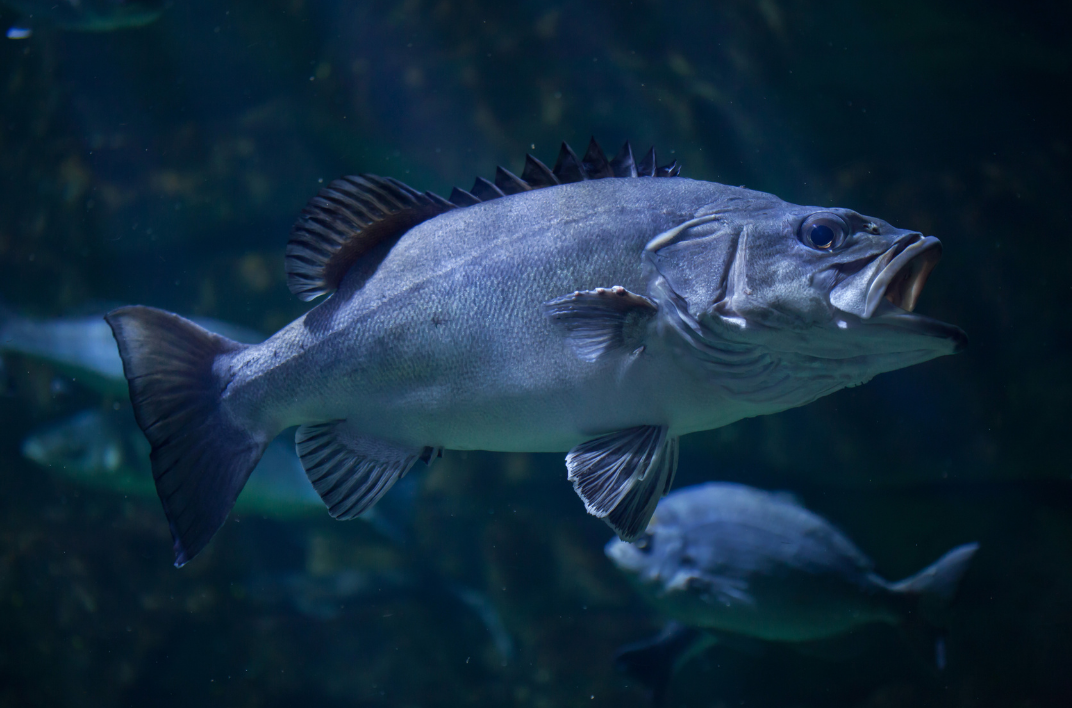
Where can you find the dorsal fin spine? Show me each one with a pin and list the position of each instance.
(647, 166)
(344, 221)
(538, 174)
(462, 198)
(623, 164)
(485, 190)
(595, 162)
(508, 182)
(352, 215)
(568, 167)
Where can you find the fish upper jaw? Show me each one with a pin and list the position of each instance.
(901, 279)
(888, 301)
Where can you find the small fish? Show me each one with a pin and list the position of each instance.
(83, 15)
(729, 558)
(105, 449)
(603, 307)
(84, 348)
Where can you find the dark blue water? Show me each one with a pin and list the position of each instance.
(165, 165)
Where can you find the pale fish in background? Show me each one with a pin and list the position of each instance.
(82, 15)
(726, 558)
(84, 348)
(105, 449)
(604, 307)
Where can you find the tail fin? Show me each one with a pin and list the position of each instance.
(201, 458)
(933, 590)
(653, 661)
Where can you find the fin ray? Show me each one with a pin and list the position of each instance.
(351, 471)
(346, 220)
(621, 476)
(201, 457)
(353, 215)
(601, 320)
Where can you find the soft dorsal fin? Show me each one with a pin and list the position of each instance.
(353, 215)
(346, 220)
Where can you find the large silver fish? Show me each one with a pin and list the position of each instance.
(602, 307)
(729, 558)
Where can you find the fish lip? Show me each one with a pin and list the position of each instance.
(903, 277)
(889, 314)
(893, 294)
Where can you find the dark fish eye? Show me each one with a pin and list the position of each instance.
(823, 231)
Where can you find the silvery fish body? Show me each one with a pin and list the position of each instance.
(722, 560)
(737, 559)
(603, 307)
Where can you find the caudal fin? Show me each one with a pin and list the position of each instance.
(201, 457)
(932, 591)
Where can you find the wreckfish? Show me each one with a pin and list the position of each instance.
(602, 307)
(727, 558)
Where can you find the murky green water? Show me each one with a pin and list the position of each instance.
(164, 165)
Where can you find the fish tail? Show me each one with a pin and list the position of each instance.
(201, 455)
(931, 593)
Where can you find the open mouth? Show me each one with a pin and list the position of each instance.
(893, 294)
(901, 281)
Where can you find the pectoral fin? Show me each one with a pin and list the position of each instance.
(351, 471)
(654, 661)
(602, 320)
(716, 590)
(621, 476)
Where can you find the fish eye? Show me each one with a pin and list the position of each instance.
(645, 543)
(823, 231)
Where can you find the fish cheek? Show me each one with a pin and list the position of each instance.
(698, 269)
(783, 287)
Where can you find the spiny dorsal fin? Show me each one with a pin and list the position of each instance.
(568, 168)
(346, 220)
(353, 215)
(595, 162)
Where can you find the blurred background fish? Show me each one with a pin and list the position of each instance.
(83, 15)
(100, 448)
(729, 558)
(83, 348)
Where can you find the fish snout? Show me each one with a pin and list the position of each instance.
(900, 281)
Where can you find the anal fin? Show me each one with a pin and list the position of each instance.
(654, 661)
(621, 476)
(351, 471)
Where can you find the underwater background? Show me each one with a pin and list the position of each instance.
(164, 164)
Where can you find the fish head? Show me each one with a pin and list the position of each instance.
(81, 446)
(650, 559)
(828, 288)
